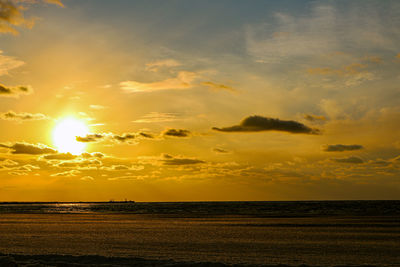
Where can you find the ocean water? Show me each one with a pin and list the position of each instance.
(310, 233)
(238, 208)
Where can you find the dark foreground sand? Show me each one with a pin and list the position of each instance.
(86, 261)
(150, 240)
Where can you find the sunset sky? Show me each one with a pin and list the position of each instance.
(199, 100)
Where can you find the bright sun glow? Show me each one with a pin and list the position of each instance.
(65, 133)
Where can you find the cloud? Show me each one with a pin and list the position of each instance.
(90, 138)
(70, 173)
(219, 87)
(119, 167)
(351, 69)
(341, 148)
(11, 115)
(182, 81)
(171, 160)
(176, 133)
(127, 137)
(97, 107)
(352, 160)
(325, 29)
(354, 73)
(60, 156)
(8, 63)
(311, 117)
(122, 167)
(146, 135)
(331, 108)
(154, 117)
(93, 155)
(122, 138)
(220, 150)
(15, 91)
(25, 148)
(87, 178)
(7, 163)
(55, 2)
(259, 123)
(12, 14)
(156, 65)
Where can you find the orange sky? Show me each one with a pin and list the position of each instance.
(187, 100)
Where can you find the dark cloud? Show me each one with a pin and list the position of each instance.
(119, 167)
(171, 160)
(341, 148)
(25, 148)
(125, 137)
(259, 123)
(176, 133)
(352, 159)
(11, 115)
(60, 156)
(15, 91)
(90, 138)
(220, 150)
(92, 155)
(311, 117)
(146, 135)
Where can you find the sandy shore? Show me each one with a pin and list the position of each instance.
(169, 241)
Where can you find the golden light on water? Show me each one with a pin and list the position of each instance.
(65, 133)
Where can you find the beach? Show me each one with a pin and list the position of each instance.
(228, 239)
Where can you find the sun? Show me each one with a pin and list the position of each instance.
(65, 133)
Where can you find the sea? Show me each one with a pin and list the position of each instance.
(245, 233)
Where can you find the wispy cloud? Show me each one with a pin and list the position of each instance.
(55, 2)
(325, 29)
(312, 117)
(97, 107)
(8, 63)
(219, 87)
(12, 14)
(154, 117)
(183, 80)
(156, 65)
(71, 173)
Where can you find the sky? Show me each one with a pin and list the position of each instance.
(199, 100)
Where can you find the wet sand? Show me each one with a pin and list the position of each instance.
(318, 241)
